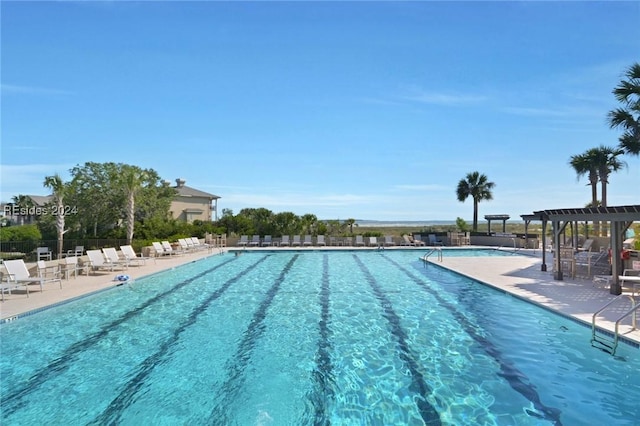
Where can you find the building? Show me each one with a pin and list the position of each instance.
(192, 204)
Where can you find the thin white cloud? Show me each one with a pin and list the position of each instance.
(31, 90)
(445, 99)
(426, 187)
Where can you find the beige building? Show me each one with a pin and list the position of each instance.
(192, 204)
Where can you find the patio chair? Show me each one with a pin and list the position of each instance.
(78, 251)
(18, 274)
(243, 241)
(266, 241)
(255, 241)
(97, 261)
(159, 250)
(198, 244)
(70, 265)
(168, 248)
(434, 241)
(417, 240)
(49, 273)
(130, 254)
(111, 254)
(186, 245)
(320, 241)
(373, 241)
(307, 241)
(296, 240)
(388, 240)
(359, 241)
(43, 253)
(406, 241)
(285, 241)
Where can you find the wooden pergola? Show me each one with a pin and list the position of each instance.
(620, 218)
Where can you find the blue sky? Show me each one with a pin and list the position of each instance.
(367, 110)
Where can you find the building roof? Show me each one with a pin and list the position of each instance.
(187, 191)
(613, 213)
(41, 200)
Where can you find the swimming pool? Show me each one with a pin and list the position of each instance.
(294, 338)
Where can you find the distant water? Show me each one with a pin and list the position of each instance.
(402, 223)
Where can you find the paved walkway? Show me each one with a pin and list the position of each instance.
(517, 275)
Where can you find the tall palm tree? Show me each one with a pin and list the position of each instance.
(350, 222)
(478, 187)
(627, 117)
(132, 179)
(607, 162)
(586, 164)
(59, 191)
(23, 203)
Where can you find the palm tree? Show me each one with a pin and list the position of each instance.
(607, 162)
(350, 222)
(627, 117)
(59, 190)
(132, 179)
(479, 188)
(24, 203)
(586, 164)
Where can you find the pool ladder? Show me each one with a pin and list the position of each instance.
(602, 341)
(437, 250)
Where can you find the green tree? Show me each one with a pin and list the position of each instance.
(59, 189)
(24, 202)
(350, 223)
(627, 117)
(586, 164)
(131, 178)
(461, 224)
(478, 187)
(607, 162)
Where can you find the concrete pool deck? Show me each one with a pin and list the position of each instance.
(517, 275)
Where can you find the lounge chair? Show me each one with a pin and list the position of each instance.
(434, 241)
(186, 245)
(388, 240)
(111, 254)
(296, 240)
(48, 274)
(320, 241)
(166, 245)
(255, 241)
(285, 241)
(417, 240)
(18, 274)
(130, 254)
(70, 265)
(406, 241)
(243, 241)
(307, 241)
(159, 250)
(359, 241)
(97, 261)
(266, 241)
(373, 241)
(10, 283)
(198, 244)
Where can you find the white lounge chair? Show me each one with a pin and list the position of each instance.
(296, 240)
(111, 254)
(18, 274)
(199, 245)
(43, 253)
(255, 241)
(166, 245)
(159, 250)
(266, 241)
(97, 261)
(129, 253)
(285, 241)
(417, 240)
(388, 240)
(406, 241)
(359, 241)
(243, 241)
(320, 241)
(373, 241)
(307, 241)
(77, 252)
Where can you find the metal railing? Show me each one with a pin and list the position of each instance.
(612, 345)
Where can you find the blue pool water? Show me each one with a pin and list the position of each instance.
(345, 338)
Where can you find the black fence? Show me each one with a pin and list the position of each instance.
(27, 249)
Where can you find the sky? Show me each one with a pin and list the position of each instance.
(365, 110)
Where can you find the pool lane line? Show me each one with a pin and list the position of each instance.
(323, 379)
(419, 384)
(112, 414)
(516, 379)
(11, 401)
(238, 363)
